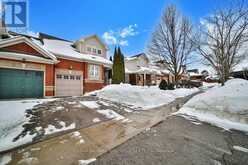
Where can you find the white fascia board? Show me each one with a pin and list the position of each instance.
(19, 39)
(29, 58)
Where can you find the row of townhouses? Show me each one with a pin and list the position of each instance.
(49, 66)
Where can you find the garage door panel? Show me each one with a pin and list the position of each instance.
(67, 84)
(20, 83)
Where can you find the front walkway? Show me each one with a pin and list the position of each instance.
(91, 142)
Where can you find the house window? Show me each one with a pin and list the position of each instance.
(99, 51)
(88, 49)
(94, 72)
(72, 77)
(94, 50)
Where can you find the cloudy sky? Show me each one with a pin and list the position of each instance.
(127, 22)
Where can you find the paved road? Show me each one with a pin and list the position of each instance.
(177, 141)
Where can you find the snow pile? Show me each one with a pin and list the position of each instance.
(51, 129)
(225, 106)
(85, 162)
(206, 85)
(12, 117)
(77, 135)
(110, 114)
(96, 120)
(239, 148)
(5, 159)
(90, 104)
(142, 96)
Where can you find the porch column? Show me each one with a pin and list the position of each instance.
(144, 79)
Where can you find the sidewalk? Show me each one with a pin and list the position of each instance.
(93, 141)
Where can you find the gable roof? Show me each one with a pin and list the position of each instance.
(21, 39)
(134, 57)
(94, 36)
(52, 47)
(14, 34)
(65, 49)
(48, 36)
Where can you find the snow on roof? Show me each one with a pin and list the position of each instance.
(165, 71)
(64, 49)
(194, 74)
(144, 70)
(242, 66)
(136, 57)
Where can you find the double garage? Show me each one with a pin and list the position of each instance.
(19, 83)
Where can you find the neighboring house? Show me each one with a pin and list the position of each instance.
(241, 70)
(139, 71)
(240, 74)
(49, 66)
(195, 75)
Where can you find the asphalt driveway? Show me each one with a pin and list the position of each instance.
(177, 141)
(63, 115)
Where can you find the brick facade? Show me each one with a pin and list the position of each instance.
(88, 87)
(50, 83)
(22, 48)
(50, 69)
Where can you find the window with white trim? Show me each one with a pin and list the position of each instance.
(88, 49)
(99, 51)
(94, 50)
(94, 72)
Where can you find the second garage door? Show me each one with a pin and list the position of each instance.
(69, 84)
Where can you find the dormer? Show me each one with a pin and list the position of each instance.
(91, 45)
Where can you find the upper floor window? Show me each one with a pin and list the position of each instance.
(99, 51)
(94, 50)
(94, 72)
(88, 49)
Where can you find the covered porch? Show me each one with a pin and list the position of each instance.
(143, 76)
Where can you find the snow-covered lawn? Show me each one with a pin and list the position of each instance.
(226, 106)
(12, 118)
(207, 85)
(142, 97)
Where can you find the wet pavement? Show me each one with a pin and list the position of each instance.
(93, 141)
(63, 115)
(177, 141)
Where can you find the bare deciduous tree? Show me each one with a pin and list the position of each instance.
(223, 37)
(170, 41)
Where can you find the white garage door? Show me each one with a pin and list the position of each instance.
(69, 83)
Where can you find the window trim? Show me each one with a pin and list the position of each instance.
(99, 50)
(94, 50)
(88, 49)
(96, 72)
